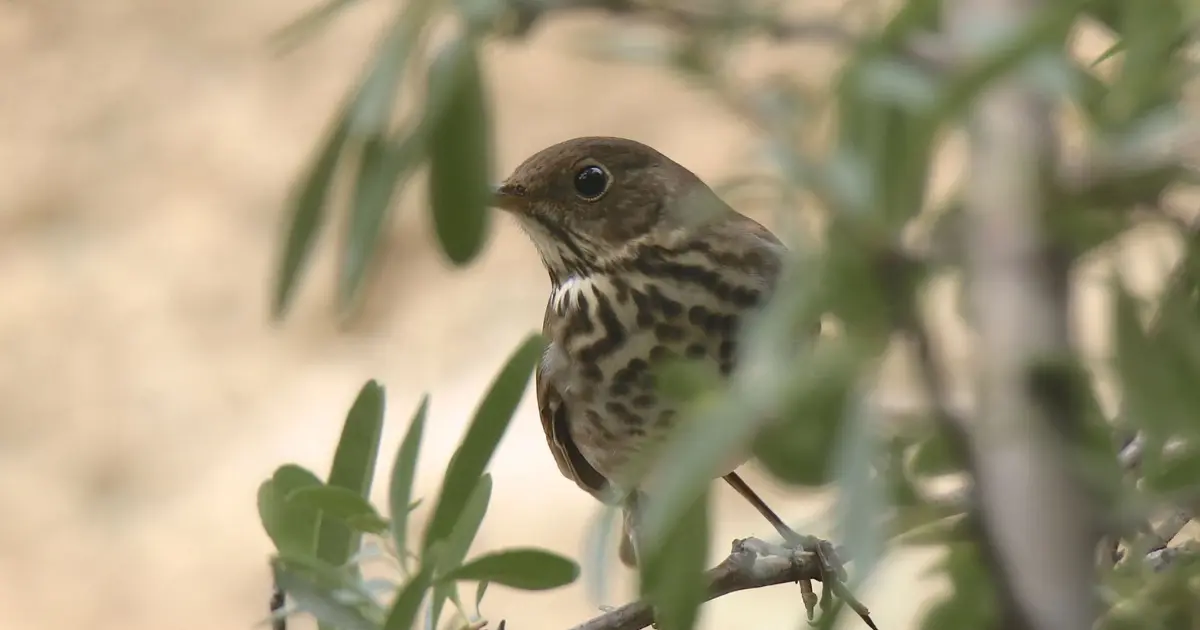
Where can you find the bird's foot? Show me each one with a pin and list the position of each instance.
(832, 576)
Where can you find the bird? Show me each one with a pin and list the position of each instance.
(646, 264)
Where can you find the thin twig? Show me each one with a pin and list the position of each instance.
(752, 563)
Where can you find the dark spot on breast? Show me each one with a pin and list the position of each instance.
(696, 351)
(668, 332)
(668, 307)
(727, 349)
(665, 417)
(645, 316)
(700, 316)
(660, 353)
(615, 408)
(644, 401)
(619, 387)
(621, 287)
(592, 372)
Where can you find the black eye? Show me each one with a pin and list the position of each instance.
(591, 182)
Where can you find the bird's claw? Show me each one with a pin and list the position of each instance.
(833, 577)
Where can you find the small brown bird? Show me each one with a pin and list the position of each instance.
(646, 264)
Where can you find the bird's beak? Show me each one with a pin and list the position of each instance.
(508, 197)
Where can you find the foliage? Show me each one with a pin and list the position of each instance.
(895, 105)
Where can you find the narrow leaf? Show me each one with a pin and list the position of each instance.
(319, 602)
(480, 590)
(403, 473)
(293, 528)
(456, 545)
(345, 505)
(861, 498)
(460, 151)
(353, 468)
(308, 214)
(483, 435)
(403, 614)
(525, 569)
(383, 169)
(673, 572)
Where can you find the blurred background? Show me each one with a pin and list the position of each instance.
(146, 150)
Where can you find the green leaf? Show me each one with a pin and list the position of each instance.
(934, 456)
(1177, 472)
(467, 526)
(456, 545)
(597, 554)
(383, 169)
(972, 603)
(720, 425)
(353, 467)
(345, 505)
(672, 573)
(797, 449)
(293, 528)
(487, 427)
(525, 569)
(308, 24)
(480, 589)
(403, 614)
(308, 213)
(861, 498)
(460, 152)
(404, 471)
(320, 602)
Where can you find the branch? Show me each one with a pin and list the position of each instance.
(752, 563)
(1036, 514)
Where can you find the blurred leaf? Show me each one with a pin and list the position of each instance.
(861, 498)
(972, 602)
(1044, 33)
(403, 614)
(308, 24)
(293, 528)
(934, 456)
(1177, 472)
(1152, 386)
(404, 471)
(719, 425)
(483, 435)
(672, 572)
(597, 551)
(480, 590)
(460, 152)
(308, 213)
(930, 526)
(319, 602)
(797, 449)
(353, 467)
(525, 569)
(345, 505)
(1110, 52)
(1149, 78)
(459, 542)
(372, 112)
(383, 169)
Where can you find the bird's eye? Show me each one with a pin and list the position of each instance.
(591, 182)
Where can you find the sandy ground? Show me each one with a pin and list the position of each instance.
(146, 149)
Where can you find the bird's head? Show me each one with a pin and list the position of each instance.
(589, 202)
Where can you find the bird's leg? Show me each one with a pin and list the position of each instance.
(631, 516)
(833, 573)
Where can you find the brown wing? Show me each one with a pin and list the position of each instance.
(555, 424)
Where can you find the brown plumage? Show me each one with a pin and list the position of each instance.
(646, 263)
